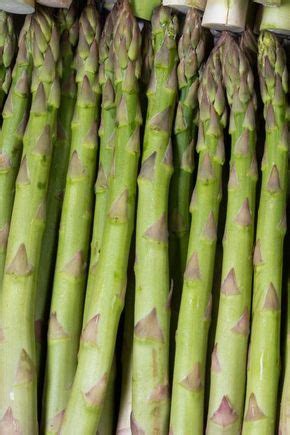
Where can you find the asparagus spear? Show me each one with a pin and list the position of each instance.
(191, 50)
(18, 6)
(7, 52)
(187, 407)
(75, 228)
(68, 29)
(18, 411)
(107, 133)
(264, 359)
(228, 370)
(226, 14)
(15, 114)
(277, 19)
(284, 424)
(106, 303)
(151, 332)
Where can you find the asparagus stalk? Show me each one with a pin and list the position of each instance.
(15, 114)
(228, 370)
(264, 358)
(106, 303)
(249, 46)
(284, 424)
(107, 133)
(18, 6)
(18, 411)
(75, 228)
(187, 407)
(68, 29)
(226, 15)
(56, 3)
(191, 50)
(277, 19)
(7, 52)
(269, 2)
(151, 332)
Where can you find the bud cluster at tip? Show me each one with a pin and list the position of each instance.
(164, 32)
(87, 55)
(211, 98)
(191, 48)
(106, 69)
(127, 44)
(272, 70)
(238, 79)
(7, 50)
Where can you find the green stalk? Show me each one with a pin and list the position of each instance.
(187, 408)
(7, 52)
(68, 28)
(152, 314)
(106, 303)
(15, 114)
(264, 358)
(229, 358)
(191, 50)
(284, 424)
(75, 228)
(107, 133)
(18, 379)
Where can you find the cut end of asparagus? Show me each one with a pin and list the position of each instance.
(142, 9)
(18, 6)
(184, 5)
(276, 20)
(225, 15)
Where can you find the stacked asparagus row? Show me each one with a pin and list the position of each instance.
(18, 376)
(104, 376)
(105, 303)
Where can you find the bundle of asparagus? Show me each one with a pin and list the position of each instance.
(77, 222)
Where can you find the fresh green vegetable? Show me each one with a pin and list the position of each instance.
(187, 408)
(106, 303)
(152, 313)
(264, 359)
(191, 51)
(7, 53)
(228, 370)
(75, 228)
(107, 133)
(68, 28)
(15, 114)
(18, 380)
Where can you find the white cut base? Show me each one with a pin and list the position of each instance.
(18, 6)
(109, 4)
(277, 19)
(226, 15)
(55, 3)
(184, 5)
